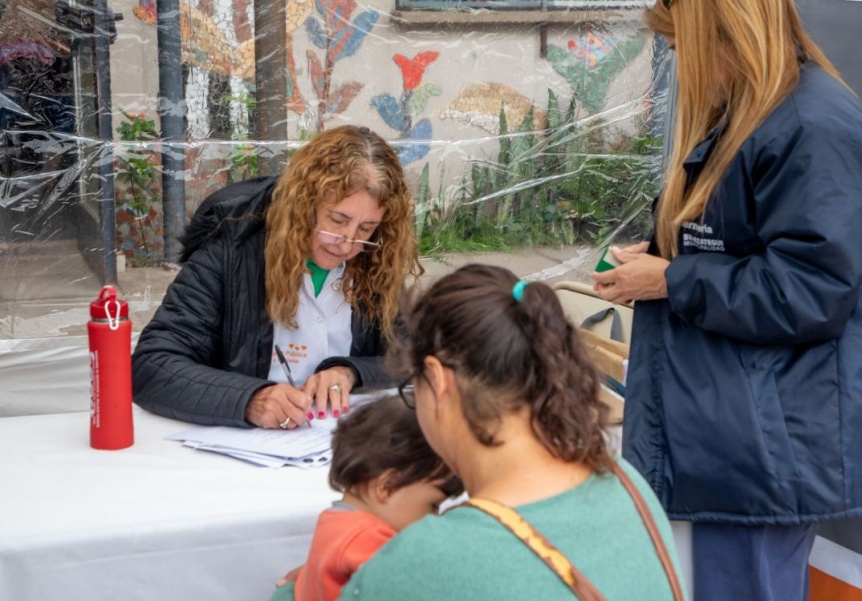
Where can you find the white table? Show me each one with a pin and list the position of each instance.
(157, 521)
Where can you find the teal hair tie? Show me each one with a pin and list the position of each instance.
(518, 290)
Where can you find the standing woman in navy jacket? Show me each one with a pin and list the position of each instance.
(744, 395)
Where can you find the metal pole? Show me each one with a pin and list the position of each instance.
(171, 113)
(270, 77)
(103, 22)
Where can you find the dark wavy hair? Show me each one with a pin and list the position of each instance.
(385, 435)
(507, 354)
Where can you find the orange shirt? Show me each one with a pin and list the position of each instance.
(343, 540)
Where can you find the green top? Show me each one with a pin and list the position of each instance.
(318, 276)
(467, 554)
(284, 593)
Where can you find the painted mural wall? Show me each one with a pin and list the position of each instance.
(453, 97)
(512, 133)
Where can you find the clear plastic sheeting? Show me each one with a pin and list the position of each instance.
(24, 364)
(528, 130)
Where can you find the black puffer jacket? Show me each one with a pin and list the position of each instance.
(208, 348)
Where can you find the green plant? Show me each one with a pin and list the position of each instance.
(572, 182)
(138, 174)
(579, 179)
(422, 201)
(610, 176)
(243, 157)
(243, 163)
(137, 166)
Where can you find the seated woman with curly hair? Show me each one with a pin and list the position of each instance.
(308, 266)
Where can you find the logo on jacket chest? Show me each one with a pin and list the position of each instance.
(701, 236)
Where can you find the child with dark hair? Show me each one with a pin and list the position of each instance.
(390, 478)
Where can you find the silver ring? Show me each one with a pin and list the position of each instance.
(284, 424)
(336, 387)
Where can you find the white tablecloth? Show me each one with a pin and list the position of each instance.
(157, 521)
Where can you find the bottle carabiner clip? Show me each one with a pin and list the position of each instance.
(113, 324)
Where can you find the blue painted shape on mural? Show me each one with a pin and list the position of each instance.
(340, 38)
(415, 150)
(390, 111)
(360, 27)
(421, 131)
(320, 8)
(315, 32)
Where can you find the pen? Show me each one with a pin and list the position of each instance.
(286, 368)
(284, 365)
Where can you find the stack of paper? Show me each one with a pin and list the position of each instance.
(302, 446)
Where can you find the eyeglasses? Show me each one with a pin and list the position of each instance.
(330, 238)
(407, 392)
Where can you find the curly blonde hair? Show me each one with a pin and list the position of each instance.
(334, 164)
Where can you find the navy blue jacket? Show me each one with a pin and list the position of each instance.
(208, 348)
(744, 395)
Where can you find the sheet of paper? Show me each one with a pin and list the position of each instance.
(295, 443)
(301, 447)
(319, 460)
(254, 458)
(261, 459)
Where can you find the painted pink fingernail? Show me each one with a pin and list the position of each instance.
(345, 410)
(336, 413)
(310, 415)
(321, 414)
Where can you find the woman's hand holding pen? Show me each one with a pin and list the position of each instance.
(640, 276)
(331, 386)
(279, 406)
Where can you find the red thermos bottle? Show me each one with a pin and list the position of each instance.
(110, 333)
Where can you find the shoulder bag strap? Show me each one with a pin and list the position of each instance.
(538, 544)
(616, 322)
(649, 522)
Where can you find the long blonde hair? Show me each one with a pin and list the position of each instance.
(334, 164)
(736, 61)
